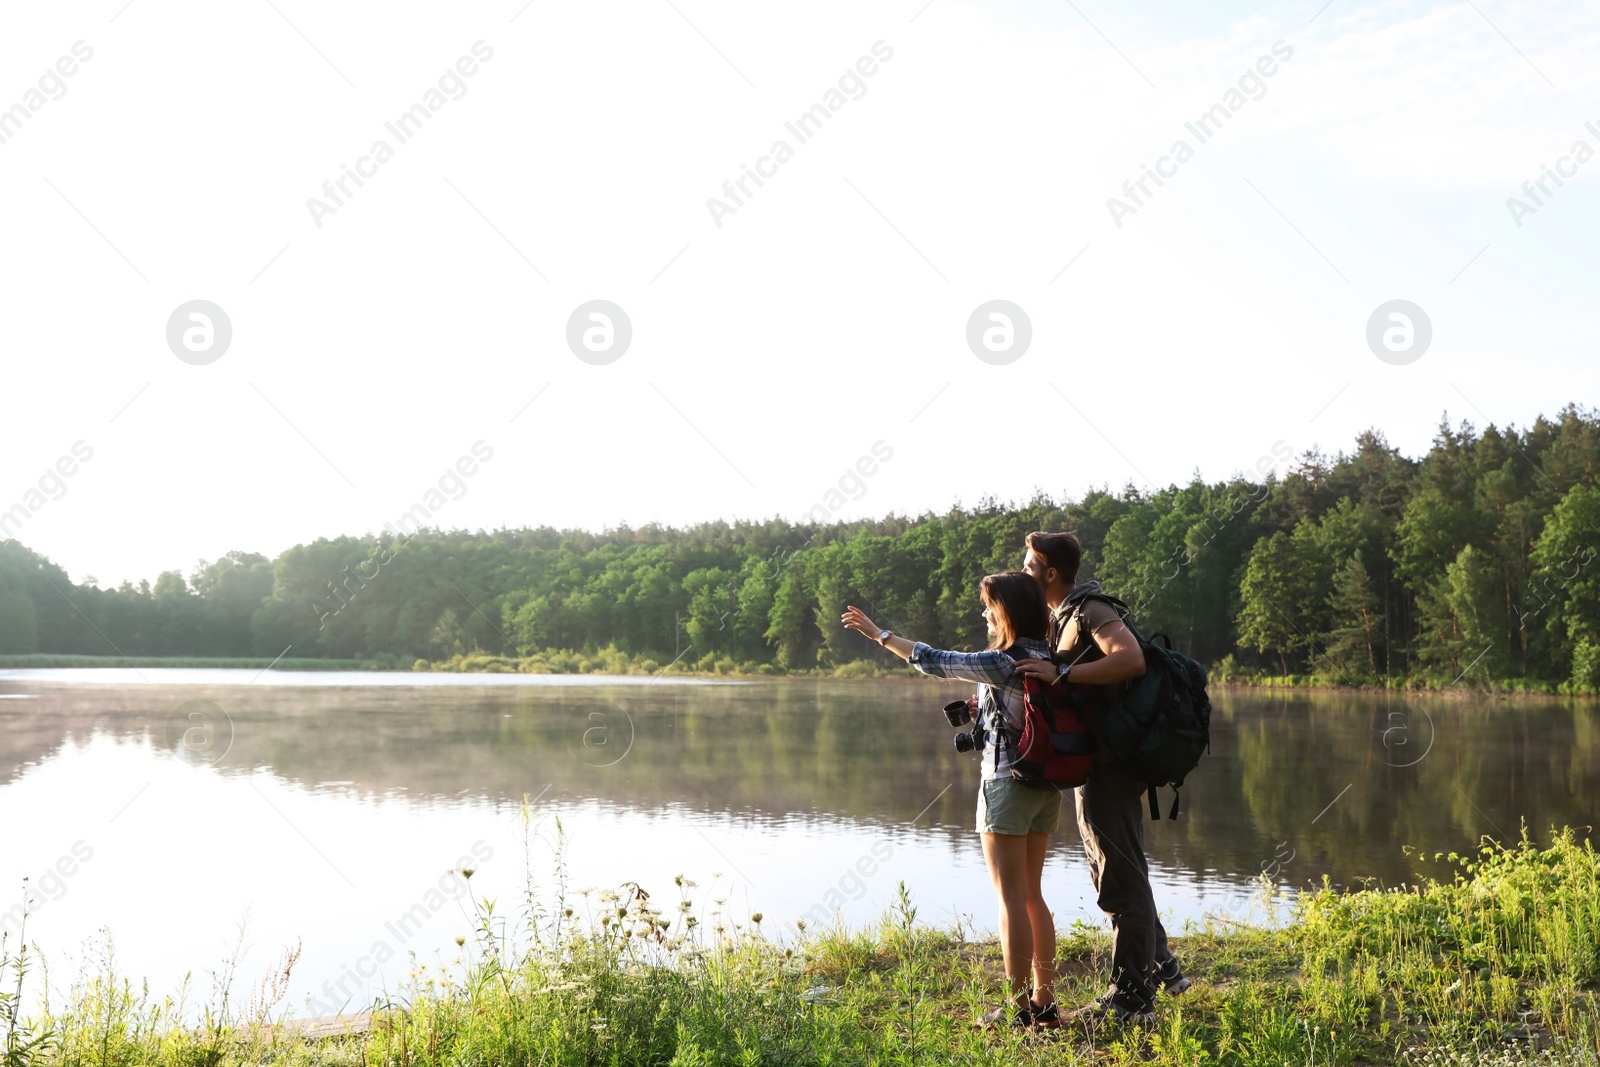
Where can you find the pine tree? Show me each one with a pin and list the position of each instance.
(1357, 620)
(1463, 618)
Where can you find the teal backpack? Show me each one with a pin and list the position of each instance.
(1158, 724)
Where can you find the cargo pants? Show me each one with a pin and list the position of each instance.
(1111, 822)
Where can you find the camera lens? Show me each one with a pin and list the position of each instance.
(964, 743)
(957, 712)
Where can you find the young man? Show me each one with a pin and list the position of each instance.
(1094, 646)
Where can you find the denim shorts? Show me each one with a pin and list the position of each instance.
(1006, 806)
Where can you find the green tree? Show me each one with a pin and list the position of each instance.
(1279, 559)
(791, 630)
(535, 622)
(1463, 619)
(1277, 587)
(19, 622)
(1175, 558)
(1357, 614)
(756, 595)
(448, 638)
(713, 600)
(1566, 587)
(230, 590)
(1431, 533)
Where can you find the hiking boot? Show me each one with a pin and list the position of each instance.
(1170, 978)
(996, 1018)
(1046, 1017)
(1115, 1009)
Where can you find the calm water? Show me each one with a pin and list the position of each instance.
(170, 806)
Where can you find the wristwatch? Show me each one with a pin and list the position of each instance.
(1062, 677)
(884, 635)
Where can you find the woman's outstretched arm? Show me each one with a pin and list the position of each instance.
(991, 666)
(856, 619)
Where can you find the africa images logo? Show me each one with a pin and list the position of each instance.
(199, 332)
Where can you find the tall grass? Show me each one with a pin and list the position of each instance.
(1508, 947)
(1498, 963)
(23, 1040)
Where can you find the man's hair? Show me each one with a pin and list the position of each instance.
(1059, 550)
(1016, 607)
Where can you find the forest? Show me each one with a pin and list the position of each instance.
(1470, 565)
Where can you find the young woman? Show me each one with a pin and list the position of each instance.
(1015, 820)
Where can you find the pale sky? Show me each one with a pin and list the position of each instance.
(827, 314)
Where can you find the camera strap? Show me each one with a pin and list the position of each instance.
(993, 716)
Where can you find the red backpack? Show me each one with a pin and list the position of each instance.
(1056, 749)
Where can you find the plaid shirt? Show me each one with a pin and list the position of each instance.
(999, 685)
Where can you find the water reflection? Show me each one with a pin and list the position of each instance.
(336, 809)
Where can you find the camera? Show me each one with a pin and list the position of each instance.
(959, 713)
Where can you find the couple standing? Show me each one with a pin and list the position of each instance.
(1042, 626)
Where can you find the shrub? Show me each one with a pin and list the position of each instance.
(1585, 668)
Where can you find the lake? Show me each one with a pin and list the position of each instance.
(168, 807)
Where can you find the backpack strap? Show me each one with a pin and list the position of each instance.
(1091, 594)
(1076, 603)
(1002, 731)
(1155, 809)
(1119, 606)
(1015, 652)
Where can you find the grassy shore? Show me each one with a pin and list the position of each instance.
(1230, 673)
(1493, 961)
